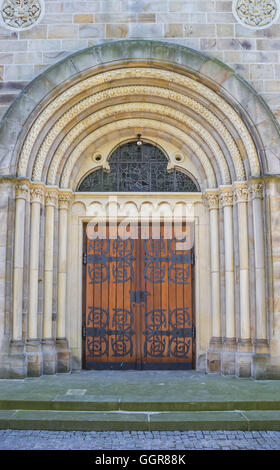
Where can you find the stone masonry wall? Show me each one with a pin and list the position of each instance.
(208, 26)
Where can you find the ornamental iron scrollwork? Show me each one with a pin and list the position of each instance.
(138, 169)
(99, 334)
(161, 341)
(156, 261)
(98, 260)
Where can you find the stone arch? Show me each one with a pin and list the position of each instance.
(245, 114)
(175, 96)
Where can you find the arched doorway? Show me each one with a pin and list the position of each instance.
(214, 129)
(138, 276)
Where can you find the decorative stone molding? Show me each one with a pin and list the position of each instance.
(126, 124)
(241, 192)
(64, 200)
(256, 14)
(20, 15)
(136, 73)
(37, 195)
(143, 107)
(22, 191)
(226, 196)
(257, 190)
(51, 198)
(211, 199)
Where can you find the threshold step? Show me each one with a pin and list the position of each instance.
(149, 421)
(93, 403)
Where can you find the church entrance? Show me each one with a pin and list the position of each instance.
(138, 298)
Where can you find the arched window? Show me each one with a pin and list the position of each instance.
(136, 168)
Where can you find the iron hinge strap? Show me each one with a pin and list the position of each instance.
(193, 332)
(85, 258)
(84, 330)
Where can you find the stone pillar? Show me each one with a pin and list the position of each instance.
(229, 345)
(33, 346)
(214, 352)
(63, 353)
(17, 347)
(244, 356)
(48, 342)
(261, 341)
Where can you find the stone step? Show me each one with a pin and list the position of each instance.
(149, 421)
(94, 403)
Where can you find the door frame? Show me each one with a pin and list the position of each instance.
(84, 310)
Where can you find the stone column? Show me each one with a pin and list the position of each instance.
(17, 348)
(261, 342)
(48, 342)
(63, 353)
(33, 346)
(244, 357)
(229, 346)
(211, 198)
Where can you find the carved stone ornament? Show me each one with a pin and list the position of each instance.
(51, 198)
(211, 199)
(21, 191)
(241, 192)
(63, 201)
(226, 196)
(20, 15)
(36, 195)
(256, 14)
(257, 191)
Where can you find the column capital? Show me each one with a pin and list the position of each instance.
(257, 190)
(241, 191)
(22, 191)
(64, 200)
(37, 194)
(211, 198)
(226, 196)
(51, 198)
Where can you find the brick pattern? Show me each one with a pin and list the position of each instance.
(208, 26)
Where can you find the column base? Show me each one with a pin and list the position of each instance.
(49, 356)
(214, 355)
(228, 356)
(34, 358)
(17, 360)
(63, 355)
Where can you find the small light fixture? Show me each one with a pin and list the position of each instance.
(139, 141)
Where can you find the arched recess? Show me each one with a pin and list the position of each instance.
(180, 98)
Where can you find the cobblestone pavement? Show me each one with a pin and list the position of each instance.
(137, 440)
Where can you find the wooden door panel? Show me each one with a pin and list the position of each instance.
(138, 299)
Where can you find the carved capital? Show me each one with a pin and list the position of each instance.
(256, 190)
(211, 198)
(226, 196)
(37, 195)
(21, 191)
(241, 192)
(51, 198)
(63, 201)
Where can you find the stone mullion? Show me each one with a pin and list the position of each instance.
(36, 201)
(48, 342)
(211, 198)
(226, 199)
(241, 198)
(63, 353)
(258, 222)
(50, 204)
(21, 194)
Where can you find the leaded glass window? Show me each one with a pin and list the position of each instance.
(138, 169)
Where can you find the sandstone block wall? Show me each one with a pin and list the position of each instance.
(207, 26)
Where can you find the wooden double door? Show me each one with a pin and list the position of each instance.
(138, 299)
